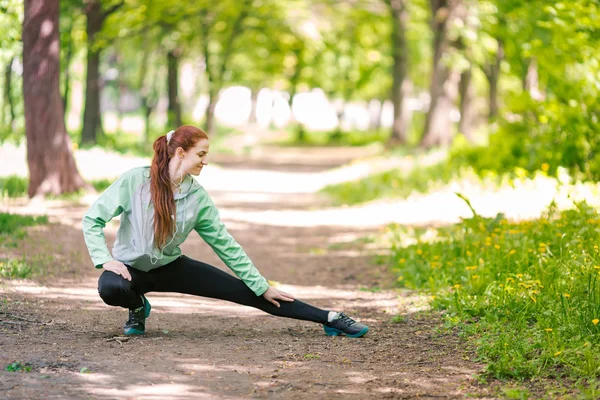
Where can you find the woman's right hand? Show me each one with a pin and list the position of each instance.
(118, 268)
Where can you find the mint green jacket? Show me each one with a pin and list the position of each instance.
(129, 197)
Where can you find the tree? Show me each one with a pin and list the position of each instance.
(212, 27)
(444, 82)
(52, 167)
(399, 15)
(92, 119)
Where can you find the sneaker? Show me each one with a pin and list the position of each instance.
(344, 325)
(136, 324)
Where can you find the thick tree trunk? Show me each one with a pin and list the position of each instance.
(468, 111)
(92, 119)
(400, 70)
(8, 99)
(174, 109)
(253, 105)
(444, 82)
(52, 167)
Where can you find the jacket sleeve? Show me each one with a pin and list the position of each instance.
(215, 234)
(111, 203)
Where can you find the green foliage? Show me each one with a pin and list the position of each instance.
(13, 186)
(14, 269)
(527, 293)
(555, 123)
(17, 366)
(353, 138)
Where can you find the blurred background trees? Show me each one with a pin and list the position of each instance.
(503, 84)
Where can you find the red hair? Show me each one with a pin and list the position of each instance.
(161, 192)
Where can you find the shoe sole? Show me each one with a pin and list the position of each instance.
(133, 331)
(336, 332)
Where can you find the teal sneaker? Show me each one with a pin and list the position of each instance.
(136, 324)
(344, 325)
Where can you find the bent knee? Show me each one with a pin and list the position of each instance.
(112, 287)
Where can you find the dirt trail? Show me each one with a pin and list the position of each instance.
(198, 348)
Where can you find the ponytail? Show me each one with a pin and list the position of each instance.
(161, 193)
(160, 181)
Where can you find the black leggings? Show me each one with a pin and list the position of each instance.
(188, 276)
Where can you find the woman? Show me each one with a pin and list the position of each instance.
(159, 207)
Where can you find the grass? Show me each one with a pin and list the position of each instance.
(11, 232)
(527, 294)
(14, 269)
(352, 138)
(16, 186)
(389, 184)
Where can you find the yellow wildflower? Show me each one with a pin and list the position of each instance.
(457, 286)
(513, 251)
(533, 298)
(475, 276)
(402, 261)
(419, 251)
(469, 253)
(545, 167)
(400, 279)
(519, 275)
(557, 353)
(548, 329)
(567, 295)
(497, 247)
(595, 321)
(471, 268)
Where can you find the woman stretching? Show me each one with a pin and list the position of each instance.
(159, 206)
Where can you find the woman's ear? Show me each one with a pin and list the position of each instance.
(179, 152)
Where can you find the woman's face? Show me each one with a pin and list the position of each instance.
(195, 158)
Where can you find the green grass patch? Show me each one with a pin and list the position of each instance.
(389, 184)
(13, 186)
(17, 366)
(14, 269)
(336, 138)
(526, 293)
(11, 227)
(16, 186)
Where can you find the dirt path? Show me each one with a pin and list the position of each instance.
(198, 348)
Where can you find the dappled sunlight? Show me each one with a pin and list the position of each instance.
(175, 303)
(151, 391)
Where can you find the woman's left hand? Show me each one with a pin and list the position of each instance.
(273, 295)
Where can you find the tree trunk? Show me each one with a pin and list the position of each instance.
(174, 109)
(92, 119)
(68, 44)
(400, 69)
(210, 112)
(444, 82)
(253, 105)
(52, 167)
(531, 80)
(492, 73)
(468, 111)
(8, 99)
